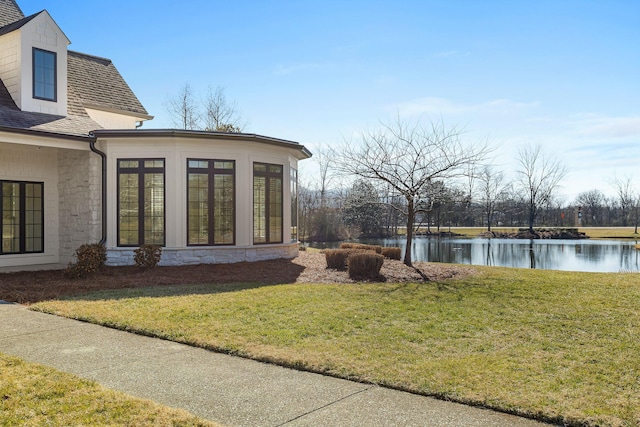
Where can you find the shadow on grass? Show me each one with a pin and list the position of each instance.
(35, 286)
(161, 291)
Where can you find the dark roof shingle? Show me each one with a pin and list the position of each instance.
(77, 121)
(92, 82)
(97, 83)
(9, 12)
(17, 24)
(69, 125)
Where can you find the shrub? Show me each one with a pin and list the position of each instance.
(90, 258)
(376, 248)
(336, 258)
(392, 253)
(339, 258)
(365, 265)
(147, 256)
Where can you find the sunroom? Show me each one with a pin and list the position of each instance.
(204, 197)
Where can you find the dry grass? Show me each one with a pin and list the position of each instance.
(591, 232)
(309, 266)
(559, 346)
(33, 395)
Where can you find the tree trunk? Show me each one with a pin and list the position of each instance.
(410, 220)
(532, 215)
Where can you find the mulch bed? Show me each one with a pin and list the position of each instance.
(33, 286)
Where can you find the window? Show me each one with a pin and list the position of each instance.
(44, 75)
(211, 202)
(294, 205)
(267, 203)
(141, 202)
(22, 226)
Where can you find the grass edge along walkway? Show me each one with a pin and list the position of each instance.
(32, 394)
(555, 346)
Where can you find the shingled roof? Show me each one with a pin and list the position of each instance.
(18, 24)
(9, 12)
(98, 84)
(76, 123)
(92, 82)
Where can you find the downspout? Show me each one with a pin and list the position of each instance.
(92, 145)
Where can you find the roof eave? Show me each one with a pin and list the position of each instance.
(47, 134)
(168, 133)
(142, 116)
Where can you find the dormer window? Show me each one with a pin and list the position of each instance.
(44, 75)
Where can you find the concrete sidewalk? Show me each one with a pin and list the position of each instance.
(229, 390)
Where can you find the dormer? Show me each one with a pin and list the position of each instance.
(33, 64)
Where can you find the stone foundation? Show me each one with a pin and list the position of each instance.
(209, 255)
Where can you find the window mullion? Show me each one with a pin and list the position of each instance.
(141, 207)
(23, 216)
(211, 204)
(267, 207)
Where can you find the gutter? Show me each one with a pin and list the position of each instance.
(46, 134)
(92, 146)
(174, 133)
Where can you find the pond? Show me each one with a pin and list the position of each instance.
(605, 256)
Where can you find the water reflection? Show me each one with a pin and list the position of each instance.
(569, 255)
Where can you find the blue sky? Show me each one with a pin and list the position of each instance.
(562, 73)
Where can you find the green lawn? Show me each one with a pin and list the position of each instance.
(33, 395)
(556, 345)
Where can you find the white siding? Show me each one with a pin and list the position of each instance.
(10, 64)
(176, 151)
(109, 120)
(43, 33)
(35, 164)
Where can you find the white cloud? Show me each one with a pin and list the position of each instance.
(282, 70)
(609, 127)
(432, 105)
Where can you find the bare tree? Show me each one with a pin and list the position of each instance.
(629, 200)
(323, 157)
(324, 215)
(183, 109)
(219, 114)
(540, 176)
(307, 204)
(593, 202)
(362, 210)
(408, 157)
(492, 188)
(467, 202)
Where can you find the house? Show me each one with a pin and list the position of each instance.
(75, 166)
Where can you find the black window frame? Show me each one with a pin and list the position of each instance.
(55, 75)
(141, 170)
(268, 174)
(293, 176)
(211, 171)
(22, 212)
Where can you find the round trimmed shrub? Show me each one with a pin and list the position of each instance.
(147, 256)
(392, 253)
(89, 259)
(365, 266)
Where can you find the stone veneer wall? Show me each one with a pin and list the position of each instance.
(80, 198)
(218, 255)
